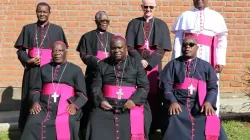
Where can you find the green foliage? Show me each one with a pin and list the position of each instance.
(237, 130)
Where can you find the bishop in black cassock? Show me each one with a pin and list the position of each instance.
(38, 39)
(56, 97)
(120, 87)
(190, 93)
(93, 47)
(148, 39)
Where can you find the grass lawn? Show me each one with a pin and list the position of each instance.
(235, 131)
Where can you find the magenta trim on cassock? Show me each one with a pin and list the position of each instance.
(211, 41)
(136, 113)
(45, 56)
(62, 117)
(212, 129)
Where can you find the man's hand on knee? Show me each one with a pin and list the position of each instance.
(71, 108)
(208, 108)
(175, 108)
(36, 108)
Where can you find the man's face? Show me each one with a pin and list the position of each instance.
(118, 50)
(103, 22)
(59, 53)
(42, 13)
(189, 48)
(200, 4)
(148, 9)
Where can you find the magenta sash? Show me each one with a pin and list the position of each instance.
(211, 41)
(212, 129)
(101, 55)
(45, 55)
(152, 74)
(62, 118)
(136, 113)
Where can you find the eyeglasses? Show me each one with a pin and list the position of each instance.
(105, 20)
(151, 7)
(191, 44)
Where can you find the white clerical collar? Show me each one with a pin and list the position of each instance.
(148, 19)
(191, 59)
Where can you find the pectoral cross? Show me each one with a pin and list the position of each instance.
(38, 53)
(106, 53)
(119, 94)
(191, 89)
(55, 97)
(147, 44)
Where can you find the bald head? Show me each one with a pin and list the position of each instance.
(118, 48)
(190, 38)
(59, 43)
(189, 47)
(59, 52)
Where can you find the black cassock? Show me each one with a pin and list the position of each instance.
(176, 79)
(27, 41)
(157, 33)
(116, 123)
(92, 47)
(48, 124)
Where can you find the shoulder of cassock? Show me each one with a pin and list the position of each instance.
(214, 21)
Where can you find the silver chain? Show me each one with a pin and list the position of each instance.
(150, 30)
(43, 38)
(105, 47)
(55, 89)
(119, 84)
(194, 71)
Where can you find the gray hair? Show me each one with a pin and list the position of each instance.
(99, 14)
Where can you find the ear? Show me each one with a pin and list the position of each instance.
(52, 54)
(96, 22)
(142, 7)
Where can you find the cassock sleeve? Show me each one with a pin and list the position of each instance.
(131, 37)
(22, 56)
(164, 44)
(80, 99)
(212, 86)
(89, 60)
(177, 44)
(222, 48)
(96, 86)
(36, 88)
(167, 82)
(21, 44)
(140, 95)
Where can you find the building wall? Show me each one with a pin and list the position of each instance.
(77, 17)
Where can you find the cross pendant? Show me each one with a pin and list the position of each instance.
(38, 53)
(119, 94)
(55, 97)
(106, 53)
(147, 44)
(191, 89)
